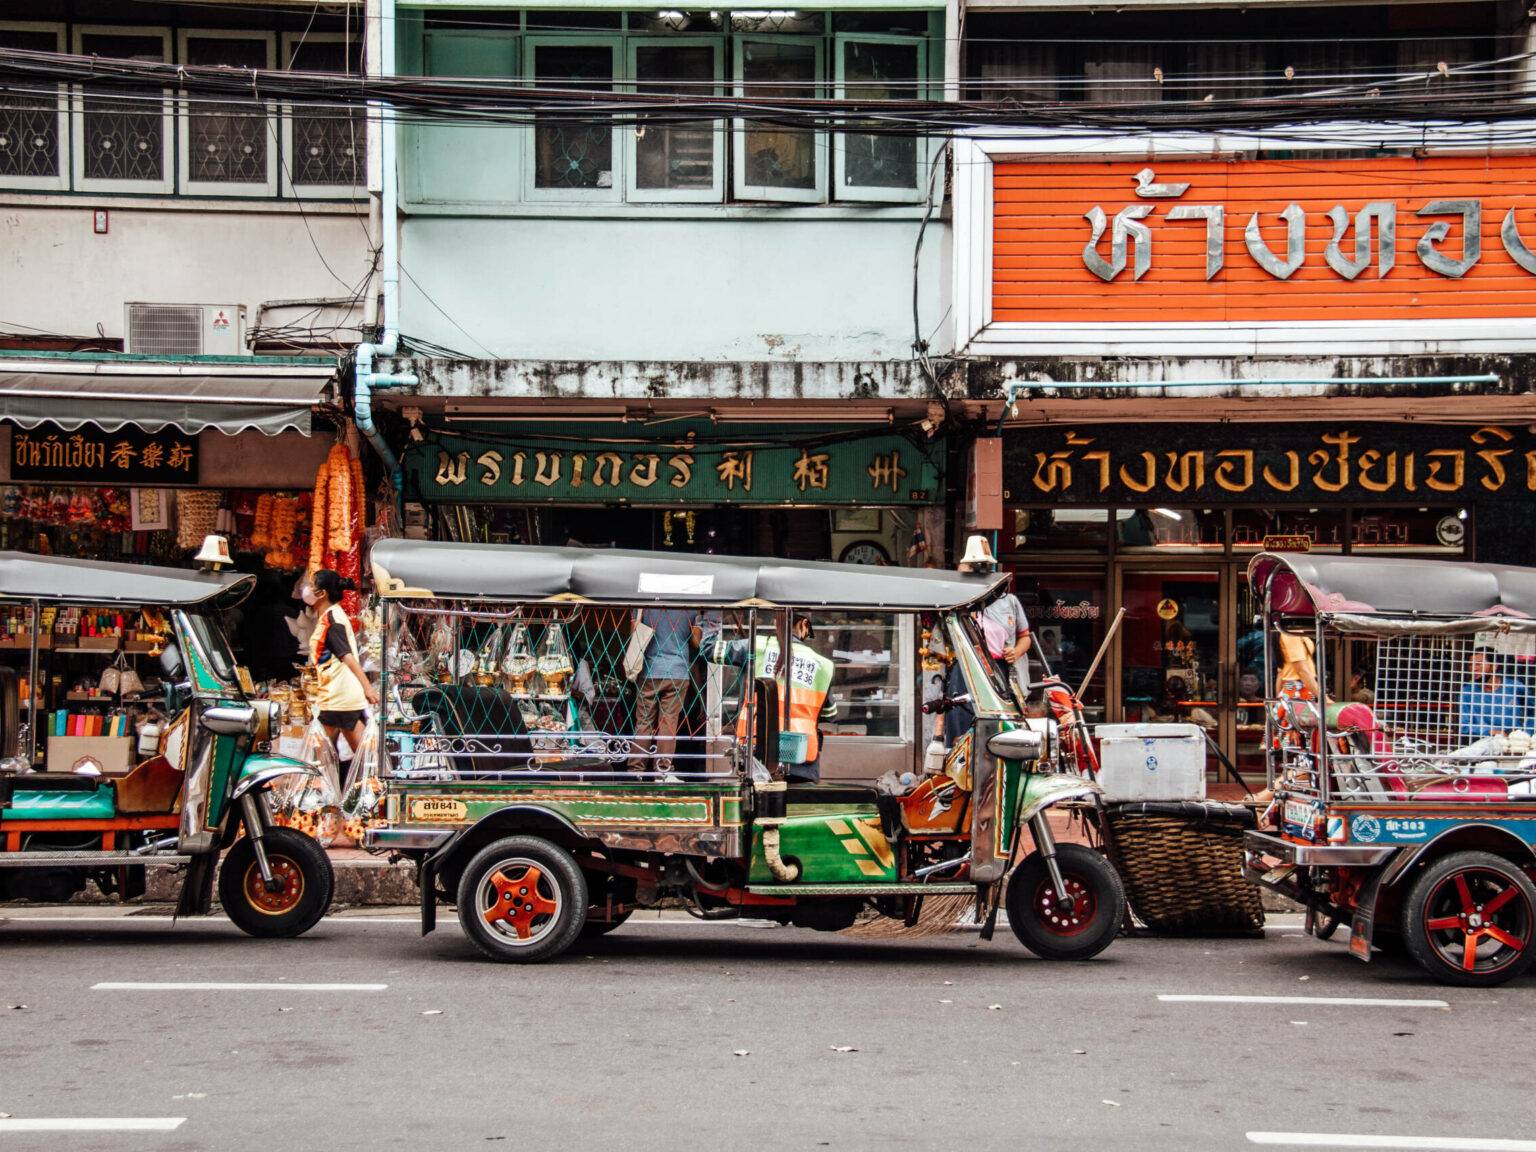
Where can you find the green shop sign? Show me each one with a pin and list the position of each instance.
(864, 470)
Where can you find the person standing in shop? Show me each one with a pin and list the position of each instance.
(1003, 622)
(345, 692)
(664, 682)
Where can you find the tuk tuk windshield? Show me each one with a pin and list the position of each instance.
(992, 690)
(212, 644)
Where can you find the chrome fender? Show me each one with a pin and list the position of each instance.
(1041, 792)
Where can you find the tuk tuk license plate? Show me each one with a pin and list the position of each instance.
(1302, 818)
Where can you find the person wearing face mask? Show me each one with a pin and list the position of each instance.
(344, 688)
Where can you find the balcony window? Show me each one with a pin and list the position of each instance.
(122, 138)
(33, 127)
(774, 162)
(325, 147)
(228, 148)
(573, 158)
(677, 162)
(874, 166)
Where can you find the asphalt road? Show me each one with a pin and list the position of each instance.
(671, 1034)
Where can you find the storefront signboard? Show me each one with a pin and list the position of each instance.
(1237, 241)
(860, 471)
(1208, 464)
(129, 457)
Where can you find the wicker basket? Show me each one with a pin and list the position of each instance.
(1182, 865)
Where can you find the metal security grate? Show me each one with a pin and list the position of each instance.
(165, 329)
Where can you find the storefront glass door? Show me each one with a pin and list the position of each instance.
(1171, 647)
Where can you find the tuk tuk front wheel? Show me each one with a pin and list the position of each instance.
(1075, 928)
(522, 900)
(306, 883)
(1469, 920)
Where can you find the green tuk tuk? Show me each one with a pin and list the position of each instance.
(172, 779)
(573, 734)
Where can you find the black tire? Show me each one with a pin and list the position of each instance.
(1099, 901)
(596, 926)
(1325, 924)
(1471, 906)
(536, 921)
(308, 885)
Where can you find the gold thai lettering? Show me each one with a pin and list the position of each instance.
(547, 467)
(735, 468)
(1146, 484)
(491, 462)
(1436, 457)
(611, 464)
(1530, 471)
(681, 464)
(885, 471)
(1321, 458)
(812, 471)
(642, 474)
(1409, 484)
(1288, 485)
(518, 460)
(578, 466)
(1228, 460)
(1101, 458)
(451, 470)
(1368, 460)
(1053, 471)
(1493, 457)
(1186, 471)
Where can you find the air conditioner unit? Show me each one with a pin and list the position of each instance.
(185, 329)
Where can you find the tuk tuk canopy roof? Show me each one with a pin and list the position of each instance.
(24, 576)
(1306, 584)
(424, 568)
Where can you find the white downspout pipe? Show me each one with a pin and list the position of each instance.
(381, 20)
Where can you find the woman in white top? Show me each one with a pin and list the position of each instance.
(344, 688)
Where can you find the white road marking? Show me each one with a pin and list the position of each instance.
(1347, 1001)
(217, 986)
(1354, 1140)
(93, 1124)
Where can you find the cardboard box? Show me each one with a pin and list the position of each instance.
(113, 754)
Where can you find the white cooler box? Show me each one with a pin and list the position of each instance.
(1152, 761)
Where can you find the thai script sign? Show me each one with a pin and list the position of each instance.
(1281, 240)
(869, 470)
(127, 457)
(1266, 463)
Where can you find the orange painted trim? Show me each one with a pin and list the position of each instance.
(1040, 231)
(116, 824)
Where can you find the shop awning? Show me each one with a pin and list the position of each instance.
(230, 396)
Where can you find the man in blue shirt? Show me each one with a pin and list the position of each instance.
(664, 683)
(1491, 705)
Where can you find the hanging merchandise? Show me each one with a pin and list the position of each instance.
(197, 515)
(282, 533)
(311, 804)
(261, 531)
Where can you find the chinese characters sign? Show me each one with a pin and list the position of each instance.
(128, 457)
(1266, 463)
(1265, 240)
(866, 471)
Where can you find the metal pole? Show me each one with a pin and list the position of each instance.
(32, 696)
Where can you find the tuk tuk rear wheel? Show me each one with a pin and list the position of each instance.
(1470, 919)
(304, 872)
(1082, 926)
(522, 900)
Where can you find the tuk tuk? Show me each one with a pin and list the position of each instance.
(1401, 747)
(573, 734)
(183, 788)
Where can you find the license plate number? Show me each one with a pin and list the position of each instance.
(1301, 818)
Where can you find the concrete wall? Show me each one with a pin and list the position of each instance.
(560, 288)
(58, 276)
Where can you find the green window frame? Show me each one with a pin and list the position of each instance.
(572, 139)
(632, 135)
(744, 136)
(848, 147)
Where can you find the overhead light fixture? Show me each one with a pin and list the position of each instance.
(779, 415)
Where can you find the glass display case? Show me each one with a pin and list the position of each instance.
(872, 656)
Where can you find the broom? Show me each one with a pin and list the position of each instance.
(937, 916)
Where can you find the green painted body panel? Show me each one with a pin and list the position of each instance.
(228, 758)
(97, 805)
(593, 806)
(840, 844)
(262, 761)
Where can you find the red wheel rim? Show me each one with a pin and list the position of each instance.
(1071, 919)
(519, 901)
(1478, 920)
(290, 878)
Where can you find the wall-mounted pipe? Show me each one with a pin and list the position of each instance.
(365, 379)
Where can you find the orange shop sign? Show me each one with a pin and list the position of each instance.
(1266, 243)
